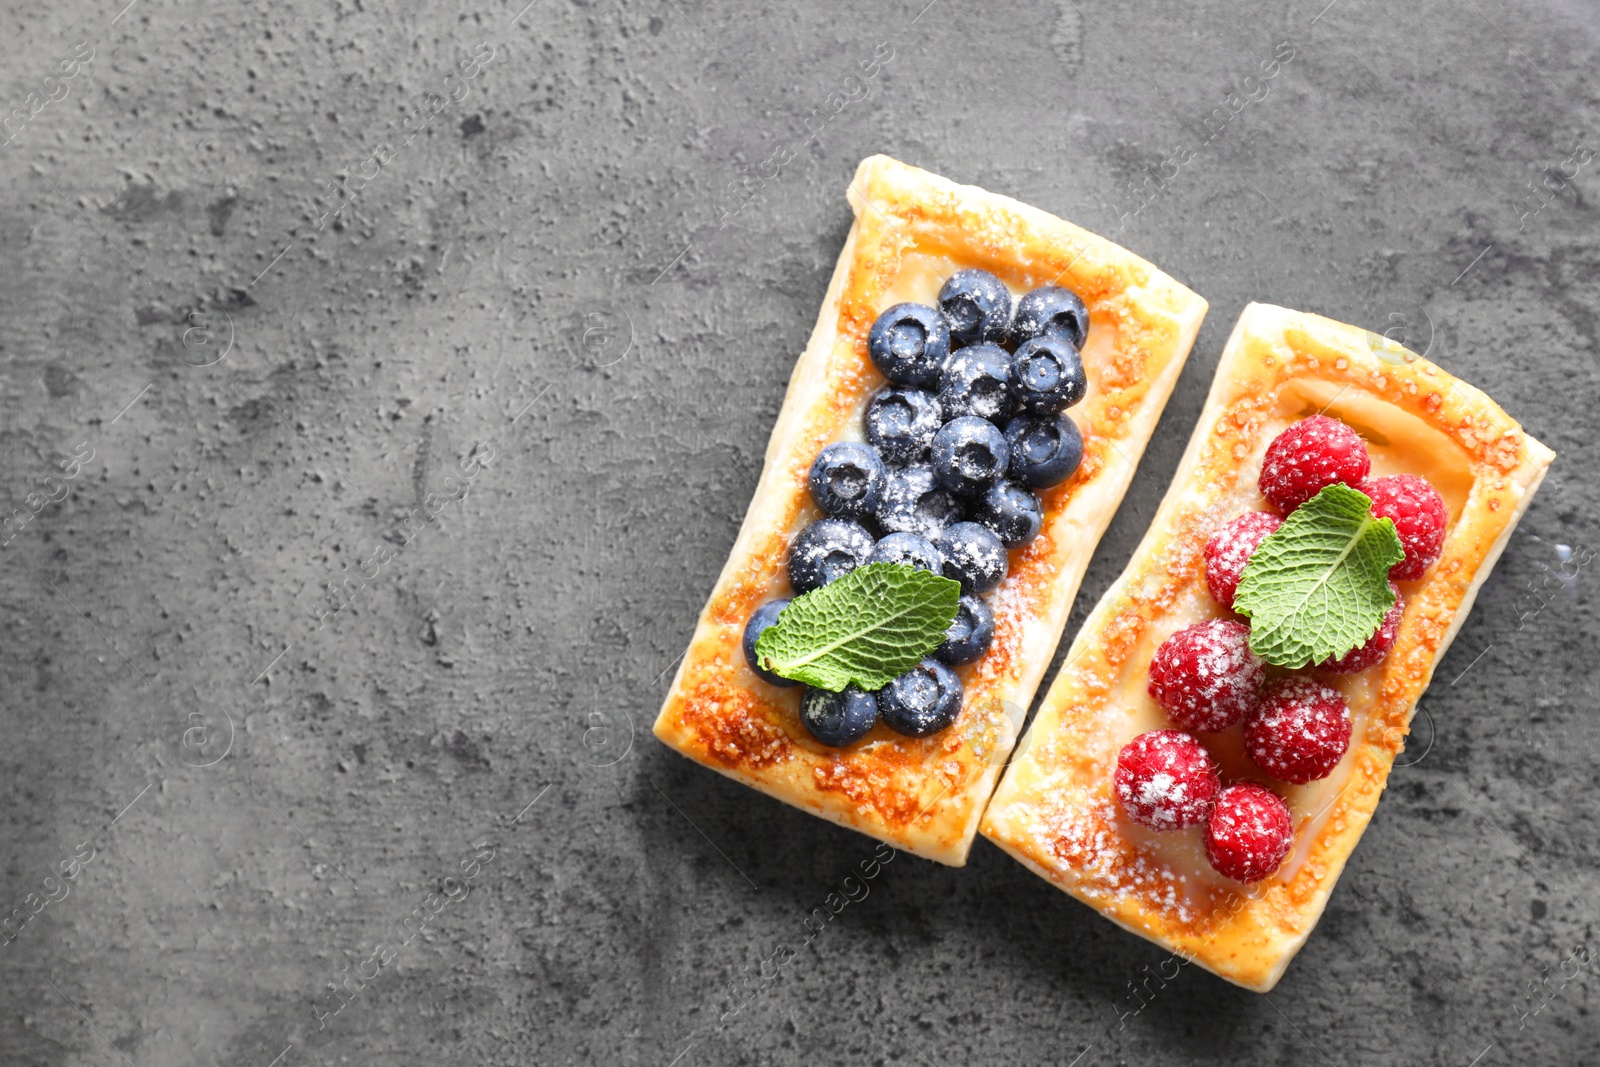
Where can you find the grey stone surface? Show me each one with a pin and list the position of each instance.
(268, 388)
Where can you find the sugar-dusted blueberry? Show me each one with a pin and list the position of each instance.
(909, 343)
(1047, 375)
(911, 549)
(969, 455)
(976, 305)
(915, 502)
(973, 556)
(970, 631)
(1012, 512)
(847, 479)
(1051, 311)
(976, 381)
(760, 619)
(1045, 449)
(839, 719)
(901, 423)
(825, 550)
(922, 701)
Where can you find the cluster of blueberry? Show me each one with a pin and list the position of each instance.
(970, 424)
(1296, 726)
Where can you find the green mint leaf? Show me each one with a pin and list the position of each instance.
(875, 623)
(1318, 586)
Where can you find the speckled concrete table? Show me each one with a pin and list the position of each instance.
(383, 386)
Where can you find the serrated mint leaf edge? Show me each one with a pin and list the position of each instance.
(810, 671)
(1277, 641)
(1367, 525)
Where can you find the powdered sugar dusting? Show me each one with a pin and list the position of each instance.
(1165, 780)
(1249, 833)
(913, 502)
(1229, 550)
(1205, 675)
(1301, 730)
(1107, 867)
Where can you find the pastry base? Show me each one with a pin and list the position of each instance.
(912, 230)
(1054, 810)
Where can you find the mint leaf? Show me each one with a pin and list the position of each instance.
(1318, 586)
(875, 623)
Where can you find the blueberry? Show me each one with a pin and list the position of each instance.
(1047, 375)
(914, 502)
(977, 305)
(825, 550)
(909, 343)
(1011, 512)
(969, 455)
(760, 619)
(970, 633)
(847, 480)
(1051, 311)
(901, 423)
(1045, 449)
(838, 719)
(977, 381)
(922, 701)
(973, 556)
(911, 549)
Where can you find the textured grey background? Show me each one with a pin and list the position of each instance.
(265, 398)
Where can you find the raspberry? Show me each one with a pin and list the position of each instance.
(1229, 550)
(1300, 732)
(1205, 675)
(1419, 518)
(1363, 656)
(1249, 832)
(1165, 780)
(1308, 457)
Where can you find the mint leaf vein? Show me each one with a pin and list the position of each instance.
(875, 623)
(1318, 586)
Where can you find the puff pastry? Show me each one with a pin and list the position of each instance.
(912, 230)
(1054, 810)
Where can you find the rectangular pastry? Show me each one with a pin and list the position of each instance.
(912, 232)
(1104, 798)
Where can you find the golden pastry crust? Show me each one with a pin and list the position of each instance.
(913, 229)
(1054, 809)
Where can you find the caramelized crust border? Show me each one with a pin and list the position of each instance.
(1053, 812)
(926, 796)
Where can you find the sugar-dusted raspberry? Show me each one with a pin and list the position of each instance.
(1248, 833)
(1229, 550)
(1363, 656)
(1308, 457)
(1205, 675)
(1300, 731)
(1419, 518)
(1165, 780)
